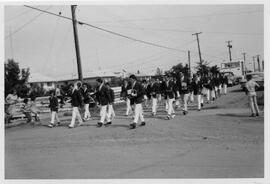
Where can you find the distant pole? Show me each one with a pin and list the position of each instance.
(259, 65)
(189, 64)
(245, 67)
(242, 67)
(253, 57)
(229, 46)
(262, 65)
(199, 46)
(76, 39)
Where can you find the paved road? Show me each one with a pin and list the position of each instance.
(220, 141)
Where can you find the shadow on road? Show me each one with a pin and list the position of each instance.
(233, 115)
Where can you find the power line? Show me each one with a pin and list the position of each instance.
(27, 23)
(111, 32)
(182, 31)
(19, 15)
(182, 17)
(135, 61)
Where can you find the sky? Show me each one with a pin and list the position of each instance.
(45, 43)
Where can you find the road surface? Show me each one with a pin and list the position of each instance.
(220, 141)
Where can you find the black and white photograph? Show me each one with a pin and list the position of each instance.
(121, 91)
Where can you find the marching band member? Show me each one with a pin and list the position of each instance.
(154, 91)
(76, 102)
(206, 87)
(183, 85)
(163, 91)
(169, 89)
(196, 86)
(137, 98)
(124, 94)
(111, 113)
(191, 93)
(54, 108)
(145, 92)
(103, 98)
(225, 84)
(212, 88)
(86, 99)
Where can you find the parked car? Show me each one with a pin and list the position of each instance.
(257, 77)
(231, 78)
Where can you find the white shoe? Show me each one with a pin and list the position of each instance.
(51, 125)
(69, 126)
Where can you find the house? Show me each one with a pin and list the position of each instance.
(48, 83)
(45, 82)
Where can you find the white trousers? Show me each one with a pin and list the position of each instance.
(54, 115)
(103, 113)
(184, 98)
(213, 95)
(191, 97)
(225, 89)
(129, 109)
(111, 113)
(199, 101)
(170, 106)
(166, 105)
(253, 104)
(86, 111)
(154, 105)
(138, 113)
(207, 95)
(75, 114)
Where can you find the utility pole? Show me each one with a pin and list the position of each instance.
(253, 57)
(74, 21)
(245, 67)
(229, 46)
(259, 65)
(199, 46)
(189, 71)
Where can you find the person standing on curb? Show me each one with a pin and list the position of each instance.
(250, 88)
(137, 97)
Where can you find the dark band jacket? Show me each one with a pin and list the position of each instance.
(130, 92)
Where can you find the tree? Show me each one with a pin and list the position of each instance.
(180, 68)
(15, 78)
(214, 70)
(203, 68)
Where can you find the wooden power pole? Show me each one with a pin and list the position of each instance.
(199, 46)
(245, 67)
(230, 46)
(76, 39)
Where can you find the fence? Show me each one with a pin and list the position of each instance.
(42, 104)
